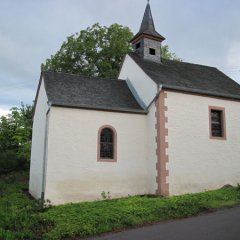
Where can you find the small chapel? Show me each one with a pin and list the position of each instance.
(163, 128)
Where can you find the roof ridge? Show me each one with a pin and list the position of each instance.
(80, 75)
(183, 62)
(169, 60)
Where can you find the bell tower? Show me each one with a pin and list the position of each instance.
(147, 42)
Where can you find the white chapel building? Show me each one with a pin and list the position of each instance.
(163, 127)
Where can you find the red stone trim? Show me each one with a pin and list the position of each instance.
(162, 145)
(99, 159)
(222, 109)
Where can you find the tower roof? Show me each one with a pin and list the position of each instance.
(147, 26)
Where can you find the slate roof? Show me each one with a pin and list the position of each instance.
(147, 26)
(69, 90)
(189, 77)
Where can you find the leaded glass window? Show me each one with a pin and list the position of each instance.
(107, 144)
(216, 123)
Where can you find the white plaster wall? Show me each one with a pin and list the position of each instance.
(143, 84)
(37, 151)
(152, 146)
(73, 173)
(196, 162)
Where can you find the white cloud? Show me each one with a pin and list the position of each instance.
(3, 112)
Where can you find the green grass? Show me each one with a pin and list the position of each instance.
(20, 217)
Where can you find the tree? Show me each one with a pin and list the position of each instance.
(168, 55)
(96, 51)
(16, 131)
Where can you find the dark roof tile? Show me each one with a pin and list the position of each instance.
(71, 90)
(189, 77)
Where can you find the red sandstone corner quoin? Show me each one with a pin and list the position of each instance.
(99, 159)
(162, 145)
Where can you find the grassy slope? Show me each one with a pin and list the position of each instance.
(20, 218)
(87, 219)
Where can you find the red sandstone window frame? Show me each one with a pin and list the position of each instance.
(114, 159)
(223, 122)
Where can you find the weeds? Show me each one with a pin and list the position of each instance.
(19, 218)
(92, 218)
(23, 218)
(105, 196)
(42, 205)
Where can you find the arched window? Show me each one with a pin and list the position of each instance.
(107, 138)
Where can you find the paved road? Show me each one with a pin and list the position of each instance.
(221, 225)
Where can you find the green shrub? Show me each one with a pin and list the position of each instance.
(10, 162)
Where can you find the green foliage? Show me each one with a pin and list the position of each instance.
(92, 218)
(22, 218)
(18, 217)
(96, 51)
(42, 205)
(15, 137)
(10, 162)
(168, 55)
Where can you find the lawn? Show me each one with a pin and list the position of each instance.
(21, 217)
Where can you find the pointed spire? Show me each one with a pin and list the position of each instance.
(147, 26)
(147, 42)
(147, 22)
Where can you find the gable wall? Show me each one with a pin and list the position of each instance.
(142, 83)
(73, 172)
(37, 151)
(146, 90)
(196, 162)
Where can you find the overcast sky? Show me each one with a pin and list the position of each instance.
(205, 32)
